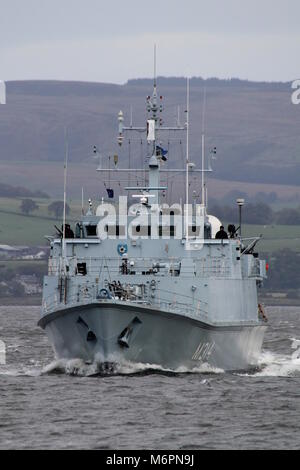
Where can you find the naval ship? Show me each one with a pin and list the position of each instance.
(154, 283)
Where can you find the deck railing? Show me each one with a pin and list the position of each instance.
(183, 304)
(211, 267)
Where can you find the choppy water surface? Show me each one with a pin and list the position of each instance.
(44, 404)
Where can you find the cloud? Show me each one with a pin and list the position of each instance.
(115, 59)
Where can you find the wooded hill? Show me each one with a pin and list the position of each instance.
(254, 126)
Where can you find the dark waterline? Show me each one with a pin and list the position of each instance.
(44, 406)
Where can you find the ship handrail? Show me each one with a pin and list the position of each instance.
(198, 307)
(146, 265)
(53, 300)
(94, 293)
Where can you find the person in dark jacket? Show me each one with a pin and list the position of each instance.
(221, 234)
(68, 231)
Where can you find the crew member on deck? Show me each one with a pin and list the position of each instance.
(68, 231)
(221, 234)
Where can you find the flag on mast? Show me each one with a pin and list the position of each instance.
(151, 130)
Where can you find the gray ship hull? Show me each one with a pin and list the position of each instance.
(111, 333)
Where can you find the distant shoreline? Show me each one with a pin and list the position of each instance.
(280, 302)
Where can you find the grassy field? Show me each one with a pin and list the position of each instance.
(29, 230)
(13, 205)
(15, 264)
(275, 237)
(19, 229)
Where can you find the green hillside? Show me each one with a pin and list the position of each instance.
(30, 230)
(254, 126)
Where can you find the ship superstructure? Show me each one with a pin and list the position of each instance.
(151, 283)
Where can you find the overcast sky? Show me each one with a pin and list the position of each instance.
(112, 41)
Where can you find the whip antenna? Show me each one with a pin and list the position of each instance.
(203, 146)
(65, 194)
(187, 156)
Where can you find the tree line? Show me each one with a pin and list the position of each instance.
(56, 208)
(6, 190)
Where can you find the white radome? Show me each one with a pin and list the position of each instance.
(215, 225)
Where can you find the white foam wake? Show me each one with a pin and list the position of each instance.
(133, 368)
(70, 367)
(280, 365)
(78, 367)
(25, 370)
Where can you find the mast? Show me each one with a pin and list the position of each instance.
(154, 66)
(203, 148)
(65, 199)
(153, 131)
(82, 201)
(152, 128)
(203, 162)
(187, 158)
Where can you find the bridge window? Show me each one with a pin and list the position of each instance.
(142, 230)
(115, 230)
(91, 230)
(194, 230)
(167, 230)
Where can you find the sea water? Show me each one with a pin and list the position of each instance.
(55, 404)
